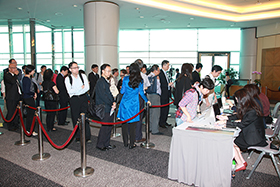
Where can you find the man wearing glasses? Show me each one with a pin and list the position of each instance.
(77, 86)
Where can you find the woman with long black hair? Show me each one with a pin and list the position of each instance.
(250, 122)
(183, 83)
(29, 95)
(132, 87)
(50, 97)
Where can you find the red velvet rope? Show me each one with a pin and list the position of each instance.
(8, 121)
(54, 110)
(155, 106)
(23, 126)
(119, 122)
(49, 139)
(272, 90)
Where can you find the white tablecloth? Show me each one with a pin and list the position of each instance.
(201, 158)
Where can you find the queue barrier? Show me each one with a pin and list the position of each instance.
(83, 171)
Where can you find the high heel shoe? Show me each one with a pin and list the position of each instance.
(243, 168)
(133, 146)
(245, 164)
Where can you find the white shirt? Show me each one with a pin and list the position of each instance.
(76, 87)
(146, 82)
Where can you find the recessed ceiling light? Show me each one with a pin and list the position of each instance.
(58, 14)
(258, 3)
(75, 6)
(137, 8)
(191, 18)
(188, 25)
(19, 8)
(141, 17)
(48, 20)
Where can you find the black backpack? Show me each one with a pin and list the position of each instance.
(81, 77)
(153, 88)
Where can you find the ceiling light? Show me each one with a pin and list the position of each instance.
(258, 3)
(48, 20)
(137, 8)
(191, 18)
(141, 17)
(58, 14)
(19, 8)
(75, 6)
(188, 25)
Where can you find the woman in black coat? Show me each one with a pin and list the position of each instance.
(183, 83)
(250, 121)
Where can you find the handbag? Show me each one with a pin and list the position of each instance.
(49, 95)
(275, 144)
(95, 111)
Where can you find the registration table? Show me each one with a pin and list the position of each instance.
(201, 156)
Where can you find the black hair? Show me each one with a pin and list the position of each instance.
(154, 67)
(114, 70)
(177, 69)
(140, 63)
(94, 66)
(48, 75)
(23, 67)
(10, 61)
(216, 68)
(135, 77)
(43, 66)
(145, 66)
(123, 71)
(63, 68)
(198, 65)
(127, 66)
(246, 103)
(104, 67)
(186, 69)
(164, 62)
(29, 68)
(227, 73)
(71, 64)
(207, 83)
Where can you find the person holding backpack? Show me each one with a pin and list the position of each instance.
(187, 107)
(153, 95)
(77, 87)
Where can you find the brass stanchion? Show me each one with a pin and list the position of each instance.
(22, 140)
(147, 144)
(41, 155)
(115, 134)
(83, 171)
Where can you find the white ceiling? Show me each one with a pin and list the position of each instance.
(62, 13)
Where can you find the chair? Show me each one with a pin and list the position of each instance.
(269, 133)
(275, 110)
(264, 150)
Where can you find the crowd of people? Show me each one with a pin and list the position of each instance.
(127, 96)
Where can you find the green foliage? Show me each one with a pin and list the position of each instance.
(232, 74)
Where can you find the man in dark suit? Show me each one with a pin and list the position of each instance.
(92, 78)
(63, 95)
(13, 95)
(165, 94)
(195, 73)
(13, 61)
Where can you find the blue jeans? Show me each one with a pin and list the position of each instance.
(179, 121)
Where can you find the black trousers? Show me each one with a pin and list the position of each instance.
(30, 112)
(163, 112)
(11, 107)
(103, 139)
(131, 127)
(50, 105)
(63, 113)
(79, 105)
(38, 98)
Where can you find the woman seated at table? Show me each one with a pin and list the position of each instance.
(187, 107)
(250, 121)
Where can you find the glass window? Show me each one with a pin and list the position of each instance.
(43, 42)
(134, 40)
(17, 28)
(18, 43)
(58, 41)
(78, 41)
(42, 28)
(218, 39)
(4, 47)
(234, 57)
(4, 28)
(67, 42)
(173, 40)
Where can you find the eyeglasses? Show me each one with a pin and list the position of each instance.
(77, 67)
(122, 75)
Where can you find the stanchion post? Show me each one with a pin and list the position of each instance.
(83, 171)
(115, 134)
(22, 140)
(147, 144)
(41, 155)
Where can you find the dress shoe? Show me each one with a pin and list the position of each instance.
(126, 145)
(142, 140)
(110, 147)
(88, 141)
(133, 146)
(67, 122)
(62, 124)
(158, 133)
(163, 126)
(102, 149)
(243, 168)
